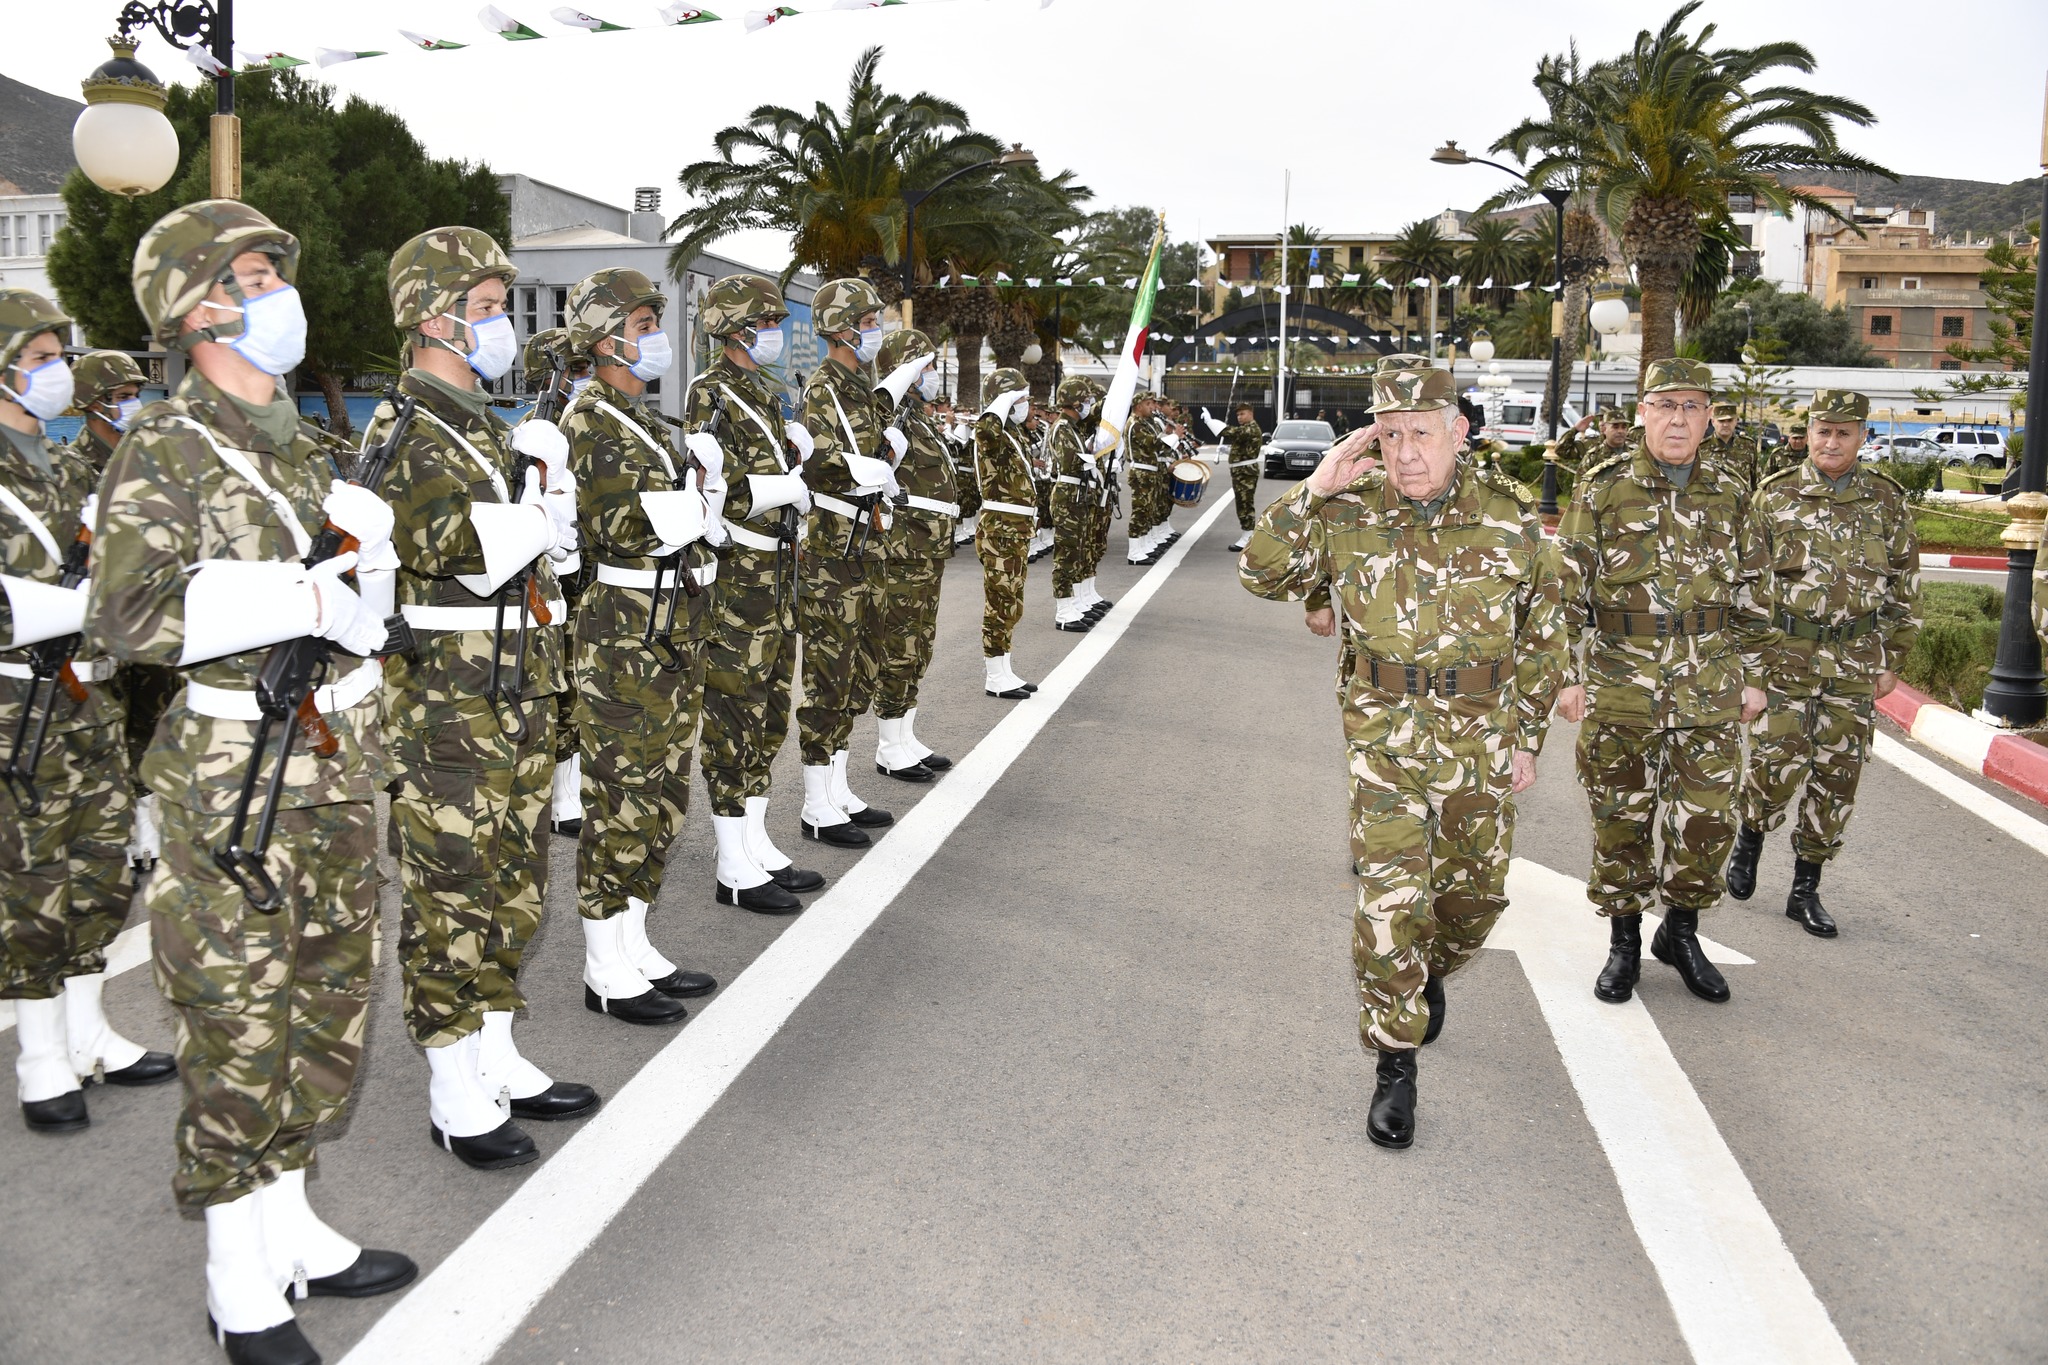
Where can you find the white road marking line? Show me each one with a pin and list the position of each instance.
(129, 949)
(477, 1298)
(1738, 1293)
(1986, 807)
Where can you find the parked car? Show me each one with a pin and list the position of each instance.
(1296, 448)
(1904, 449)
(1971, 445)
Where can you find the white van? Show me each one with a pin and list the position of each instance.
(1518, 423)
(1970, 445)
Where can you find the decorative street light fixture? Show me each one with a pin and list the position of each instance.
(1607, 314)
(1018, 155)
(132, 153)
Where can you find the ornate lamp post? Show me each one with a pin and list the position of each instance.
(122, 140)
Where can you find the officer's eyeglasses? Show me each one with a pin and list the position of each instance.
(1671, 409)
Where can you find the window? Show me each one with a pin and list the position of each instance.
(6, 235)
(561, 308)
(1951, 326)
(43, 233)
(1909, 282)
(1880, 324)
(1742, 203)
(1869, 282)
(1951, 364)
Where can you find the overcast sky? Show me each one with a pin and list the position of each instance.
(1192, 106)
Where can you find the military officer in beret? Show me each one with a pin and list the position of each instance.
(1841, 589)
(1452, 612)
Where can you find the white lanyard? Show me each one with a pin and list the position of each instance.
(645, 439)
(241, 464)
(774, 442)
(490, 470)
(980, 482)
(852, 441)
(35, 523)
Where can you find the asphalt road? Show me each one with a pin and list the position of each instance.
(1090, 1087)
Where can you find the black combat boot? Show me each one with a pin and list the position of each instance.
(1677, 945)
(1391, 1121)
(1433, 996)
(1749, 845)
(1804, 902)
(1617, 980)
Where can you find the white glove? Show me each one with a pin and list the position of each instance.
(709, 454)
(1215, 427)
(91, 510)
(367, 517)
(42, 611)
(561, 510)
(898, 442)
(771, 492)
(545, 442)
(892, 488)
(715, 533)
(342, 617)
(800, 437)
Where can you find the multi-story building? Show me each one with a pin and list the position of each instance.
(28, 224)
(1913, 300)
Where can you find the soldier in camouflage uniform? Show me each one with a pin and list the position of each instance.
(62, 895)
(1002, 470)
(914, 554)
(1595, 440)
(555, 376)
(1729, 448)
(223, 476)
(1843, 572)
(1451, 602)
(1076, 487)
(1151, 458)
(107, 389)
(481, 522)
(1659, 591)
(1790, 455)
(840, 612)
(645, 508)
(1242, 441)
(735, 419)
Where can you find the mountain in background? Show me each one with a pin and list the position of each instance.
(35, 138)
(1959, 205)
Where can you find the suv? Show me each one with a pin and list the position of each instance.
(1296, 447)
(1970, 445)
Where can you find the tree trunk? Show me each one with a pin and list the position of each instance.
(1574, 337)
(1661, 236)
(967, 348)
(1659, 280)
(337, 406)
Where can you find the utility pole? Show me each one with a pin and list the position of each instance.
(1280, 353)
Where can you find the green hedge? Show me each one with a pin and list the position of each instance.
(1974, 531)
(1526, 465)
(1951, 659)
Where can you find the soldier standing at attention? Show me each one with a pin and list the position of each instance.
(1843, 578)
(735, 419)
(1794, 452)
(1002, 469)
(62, 893)
(1151, 464)
(209, 507)
(1659, 582)
(1075, 483)
(1451, 607)
(107, 391)
(1242, 441)
(639, 671)
(914, 554)
(1726, 446)
(469, 716)
(551, 368)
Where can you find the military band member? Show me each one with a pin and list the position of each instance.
(1002, 470)
(1242, 444)
(207, 511)
(1451, 603)
(640, 639)
(1076, 488)
(63, 895)
(1668, 662)
(1843, 570)
(550, 364)
(735, 416)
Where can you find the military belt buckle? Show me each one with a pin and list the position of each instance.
(1412, 676)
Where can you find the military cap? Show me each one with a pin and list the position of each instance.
(1005, 380)
(1610, 413)
(101, 372)
(189, 250)
(1675, 373)
(1838, 405)
(1402, 362)
(737, 301)
(1796, 429)
(1723, 411)
(900, 347)
(24, 316)
(841, 304)
(600, 304)
(430, 274)
(1413, 391)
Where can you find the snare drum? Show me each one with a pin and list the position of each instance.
(1190, 478)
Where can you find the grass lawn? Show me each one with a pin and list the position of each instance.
(1944, 532)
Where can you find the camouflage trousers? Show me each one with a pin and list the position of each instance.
(1244, 486)
(270, 1007)
(1099, 517)
(1073, 537)
(64, 872)
(840, 616)
(1430, 836)
(1141, 514)
(1818, 742)
(637, 726)
(750, 665)
(1002, 541)
(565, 700)
(1663, 817)
(910, 620)
(145, 692)
(469, 816)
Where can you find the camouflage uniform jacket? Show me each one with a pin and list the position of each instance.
(1151, 445)
(89, 447)
(1244, 441)
(1070, 459)
(751, 435)
(1741, 454)
(56, 497)
(1578, 449)
(1634, 541)
(431, 486)
(1475, 586)
(926, 472)
(842, 413)
(619, 448)
(1002, 469)
(169, 501)
(1836, 559)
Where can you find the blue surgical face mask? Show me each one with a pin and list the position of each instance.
(928, 386)
(767, 347)
(656, 355)
(494, 346)
(273, 335)
(870, 344)
(577, 386)
(46, 390)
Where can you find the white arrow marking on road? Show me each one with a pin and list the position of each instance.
(1734, 1286)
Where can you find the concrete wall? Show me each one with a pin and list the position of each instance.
(537, 206)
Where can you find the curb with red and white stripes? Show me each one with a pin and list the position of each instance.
(1986, 563)
(2017, 764)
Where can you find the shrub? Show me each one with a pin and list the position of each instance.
(1951, 659)
(1916, 479)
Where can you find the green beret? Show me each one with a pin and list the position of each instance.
(1667, 375)
(1838, 405)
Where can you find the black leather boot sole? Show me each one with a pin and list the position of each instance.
(63, 1113)
(870, 817)
(1013, 694)
(1679, 949)
(682, 985)
(561, 1100)
(1081, 627)
(651, 1008)
(794, 878)
(505, 1145)
(1749, 846)
(766, 899)
(842, 835)
(283, 1344)
(916, 772)
(151, 1068)
(373, 1273)
(1433, 996)
(1390, 1122)
(1616, 983)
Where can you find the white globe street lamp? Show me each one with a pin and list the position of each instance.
(1609, 314)
(122, 140)
(1481, 347)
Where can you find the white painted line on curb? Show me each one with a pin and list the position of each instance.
(477, 1298)
(129, 949)
(2021, 826)
(1734, 1286)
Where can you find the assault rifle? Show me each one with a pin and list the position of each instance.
(663, 644)
(49, 663)
(521, 595)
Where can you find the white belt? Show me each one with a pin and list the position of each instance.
(944, 509)
(753, 540)
(848, 510)
(473, 618)
(232, 703)
(1073, 479)
(1015, 508)
(85, 670)
(1240, 464)
(643, 579)
(1148, 468)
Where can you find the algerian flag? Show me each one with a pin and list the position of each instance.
(1350, 279)
(334, 56)
(1520, 287)
(1116, 408)
(576, 18)
(504, 25)
(685, 14)
(276, 61)
(1315, 281)
(863, 4)
(758, 19)
(426, 44)
(205, 61)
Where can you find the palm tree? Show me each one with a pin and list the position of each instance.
(1712, 266)
(1421, 251)
(1667, 131)
(1499, 251)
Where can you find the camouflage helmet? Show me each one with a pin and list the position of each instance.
(732, 304)
(188, 251)
(101, 372)
(601, 303)
(1076, 388)
(544, 351)
(900, 347)
(430, 274)
(1003, 381)
(841, 304)
(24, 316)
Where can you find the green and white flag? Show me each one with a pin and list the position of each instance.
(686, 14)
(576, 18)
(1123, 386)
(758, 19)
(334, 56)
(426, 44)
(504, 25)
(276, 61)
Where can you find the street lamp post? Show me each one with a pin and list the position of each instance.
(103, 144)
(906, 269)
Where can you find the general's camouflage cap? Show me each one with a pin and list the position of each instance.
(1401, 361)
(544, 351)
(1723, 411)
(1666, 376)
(840, 305)
(187, 251)
(100, 372)
(1413, 390)
(430, 274)
(1837, 405)
(1608, 414)
(1003, 381)
(1796, 429)
(737, 300)
(600, 304)
(1074, 388)
(24, 316)
(898, 347)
